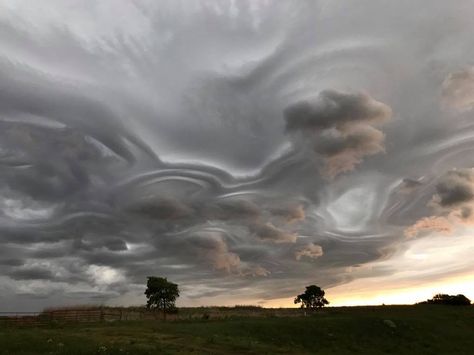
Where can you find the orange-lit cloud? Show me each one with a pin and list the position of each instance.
(458, 89)
(453, 204)
(310, 250)
(430, 224)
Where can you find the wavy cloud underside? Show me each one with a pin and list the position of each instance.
(239, 148)
(339, 127)
(453, 204)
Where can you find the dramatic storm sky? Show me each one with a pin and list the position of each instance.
(243, 149)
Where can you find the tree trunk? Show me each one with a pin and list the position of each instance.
(164, 310)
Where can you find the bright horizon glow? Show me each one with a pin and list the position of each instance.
(358, 293)
(355, 294)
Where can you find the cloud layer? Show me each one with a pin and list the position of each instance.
(238, 148)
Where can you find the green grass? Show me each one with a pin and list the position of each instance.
(362, 330)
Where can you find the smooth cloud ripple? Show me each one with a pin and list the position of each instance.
(242, 148)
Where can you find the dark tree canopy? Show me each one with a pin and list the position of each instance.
(453, 300)
(161, 294)
(312, 298)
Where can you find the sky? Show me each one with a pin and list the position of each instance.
(242, 149)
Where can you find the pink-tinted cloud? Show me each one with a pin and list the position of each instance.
(452, 203)
(291, 213)
(430, 224)
(269, 233)
(310, 250)
(458, 89)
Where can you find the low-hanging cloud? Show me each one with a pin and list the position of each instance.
(212, 247)
(334, 109)
(437, 224)
(269, 233)
(458, 89)
(452, 203)
(339, 127)
(290, 213)
(310, 250)
(455, 188)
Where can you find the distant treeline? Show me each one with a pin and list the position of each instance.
(452, 300)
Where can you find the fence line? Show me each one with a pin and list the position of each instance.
(111, 314)
(76, 316)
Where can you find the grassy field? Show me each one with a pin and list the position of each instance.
(363, 330)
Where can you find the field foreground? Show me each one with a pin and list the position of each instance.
(363, 330)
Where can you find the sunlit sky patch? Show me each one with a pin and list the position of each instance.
(243, 149)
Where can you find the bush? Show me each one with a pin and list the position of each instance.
(452, 300)
(247, 307)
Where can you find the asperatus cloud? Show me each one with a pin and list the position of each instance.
(241, 148)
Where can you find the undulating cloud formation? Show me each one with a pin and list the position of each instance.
(338, 126)
(452, 203)
(243, 149)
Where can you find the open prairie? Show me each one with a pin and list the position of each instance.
(365, 330)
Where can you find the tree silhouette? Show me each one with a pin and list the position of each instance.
(457, 300)
(312, 298)
(161, 294)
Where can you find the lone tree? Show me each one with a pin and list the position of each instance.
(312, 298)
(161, 294)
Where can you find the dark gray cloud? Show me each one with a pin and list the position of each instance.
(334, 109)
(290, 213)
(31, 274)
(455, 188)
(339, 127)
(232, 209)
(11, 262)
(163, 209)
(195, 142)
(409, 185)
(268, 232)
